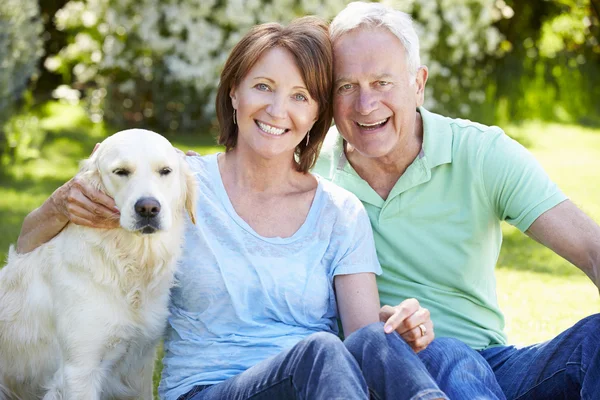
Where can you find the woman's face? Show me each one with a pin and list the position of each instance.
(274, 109)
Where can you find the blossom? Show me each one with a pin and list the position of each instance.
(181, 45)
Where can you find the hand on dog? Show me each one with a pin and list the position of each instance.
(84, 205)
(411, 321)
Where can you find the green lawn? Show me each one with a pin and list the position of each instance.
(540, 293)
(70, 137)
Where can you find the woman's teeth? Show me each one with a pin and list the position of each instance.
(270, 129)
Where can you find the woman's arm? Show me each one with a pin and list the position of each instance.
(76, 202)
(357, 299)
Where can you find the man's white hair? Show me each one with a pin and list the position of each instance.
(374, 15)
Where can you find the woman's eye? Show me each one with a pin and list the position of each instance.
(383, 83)
(300, 97)
(121, 172)
(262, 87)
(165, 171)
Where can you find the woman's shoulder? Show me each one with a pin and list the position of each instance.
(338, 198)
(203, 167)
(201, 162)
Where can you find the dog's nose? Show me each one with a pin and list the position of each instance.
(147, 207)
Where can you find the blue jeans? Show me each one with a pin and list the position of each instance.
(461, 372)
(566, 367)
(367, 363)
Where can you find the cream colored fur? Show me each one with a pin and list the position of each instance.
(81, 315)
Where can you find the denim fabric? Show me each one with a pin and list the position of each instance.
(461, 372)
(566, 367)
(322, 367)
(318, 367)
(390, 367)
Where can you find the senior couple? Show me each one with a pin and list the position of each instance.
(296, 219)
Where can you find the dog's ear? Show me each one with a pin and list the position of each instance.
(190, 188)
(89, 171)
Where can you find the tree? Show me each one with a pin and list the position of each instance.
(158, 61)
(20, 50)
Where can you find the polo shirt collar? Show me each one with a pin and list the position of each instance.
(437, 150)
(343, 174)
(437, 139)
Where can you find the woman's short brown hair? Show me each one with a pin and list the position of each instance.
(307, 39)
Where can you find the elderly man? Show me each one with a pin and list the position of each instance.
(436, 190)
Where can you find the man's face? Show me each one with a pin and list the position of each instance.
(375, 99)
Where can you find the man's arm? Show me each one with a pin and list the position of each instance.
(571, 234)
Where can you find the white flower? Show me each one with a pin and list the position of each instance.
(190, 39)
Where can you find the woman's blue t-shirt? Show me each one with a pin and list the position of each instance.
(241, 297)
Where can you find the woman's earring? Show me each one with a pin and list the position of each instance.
(307, 138)
(234, 117)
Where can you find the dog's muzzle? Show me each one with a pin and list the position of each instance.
(146, 210)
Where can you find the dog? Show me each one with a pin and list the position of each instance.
(81, 315)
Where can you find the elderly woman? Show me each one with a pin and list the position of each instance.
(277, 255)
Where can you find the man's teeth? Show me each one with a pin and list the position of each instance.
(270, 129)
(372, 125)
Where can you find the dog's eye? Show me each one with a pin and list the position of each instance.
(165, 171)
(121, 172)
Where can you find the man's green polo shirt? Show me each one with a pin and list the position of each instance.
(438, 233)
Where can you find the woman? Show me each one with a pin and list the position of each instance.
(277, 255)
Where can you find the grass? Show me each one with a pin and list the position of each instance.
(540, 293)
(69, 138)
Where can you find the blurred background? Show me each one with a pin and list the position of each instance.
(73, 72)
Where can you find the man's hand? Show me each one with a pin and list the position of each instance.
(411, 321)
(187, 153)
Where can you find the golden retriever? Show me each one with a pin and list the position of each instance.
(80, 316)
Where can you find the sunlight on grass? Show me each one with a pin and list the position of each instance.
(540, 306)
(540, 293)
(69, 137)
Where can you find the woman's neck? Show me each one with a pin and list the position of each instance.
(252, 173)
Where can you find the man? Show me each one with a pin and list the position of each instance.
(436, 190)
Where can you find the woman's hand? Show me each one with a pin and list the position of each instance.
(411, 321)
(84, 205)
(75, 201)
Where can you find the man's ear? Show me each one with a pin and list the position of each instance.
(420, 81)
(190, 188)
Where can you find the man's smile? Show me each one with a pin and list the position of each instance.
(373, 126)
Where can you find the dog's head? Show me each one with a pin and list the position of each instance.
(148, 178)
